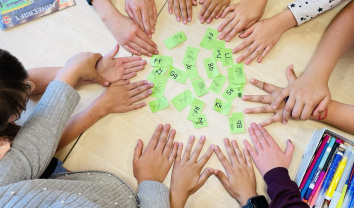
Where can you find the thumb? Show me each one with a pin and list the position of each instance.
(113, 52)
(289, 150)
(102, 81)
(138, 150)
(222, 177)
(290, 74)
(204, 176)
(322, 106)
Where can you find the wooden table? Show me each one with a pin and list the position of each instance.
(108, 145)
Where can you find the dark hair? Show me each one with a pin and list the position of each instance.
(14, 93)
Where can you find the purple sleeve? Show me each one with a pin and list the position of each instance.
(282, 190)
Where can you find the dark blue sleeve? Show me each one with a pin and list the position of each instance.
(89, 2)
(282, 190)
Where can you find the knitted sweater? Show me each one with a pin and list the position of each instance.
(32, 150)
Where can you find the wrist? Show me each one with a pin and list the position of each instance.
(244, 199)
(285, 20)
(98, 106)
(106, 10)
(68, 76)
(178, 199)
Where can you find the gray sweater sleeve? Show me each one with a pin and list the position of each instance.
(153, 194)
(36, 142)
(304, 10)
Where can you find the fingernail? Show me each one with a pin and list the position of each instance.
(180, 144)
(191, 138)
(150, 54)
(259, 125)
(225, 140)
(212, 146)
(290, 141)
(145, 82)
(285, 122)
(151, 84)
(155, 46)
(153, 30)
(274, 106)
(202, 138)
(246, 111)
(139, 141)
(106, 83)
(178, 19)
(189, 19)
(150, 91)
(144, 104)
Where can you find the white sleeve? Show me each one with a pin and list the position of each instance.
(304, 10)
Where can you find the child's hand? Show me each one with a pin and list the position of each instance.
(243, 15)
(128, 34)
(273, 91)
(81, 67)
(144, 13)
(121, 97)
(182, 7)
(114, 69)
(261, 37)
(158, 157)
(187, 176)
(267, 154)
(306, 96)
(212, 9)
(240, 181)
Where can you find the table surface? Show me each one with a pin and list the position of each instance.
(108, 145)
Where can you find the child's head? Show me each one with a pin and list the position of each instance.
(14, 93)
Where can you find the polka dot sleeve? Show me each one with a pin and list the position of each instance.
(304, 10)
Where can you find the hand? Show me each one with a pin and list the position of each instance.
(267, 154)
(273, 91)
(158, 157)
(121, 97)
(81, 67)
(243, 15)
(144, 13)
(186, 176)
(306, 95)
(212, 9)
(128, 33)
(183, 7)
(241, 181)
(262, 36)
(114, 69)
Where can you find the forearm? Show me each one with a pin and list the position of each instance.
(338, 38)
(41, 77)
(177, 200)
(282, 190)
(80, 123)
(106, 10)
(338, 115)
(153, 194)
(286, 20)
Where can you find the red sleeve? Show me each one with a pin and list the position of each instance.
(282, 190)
